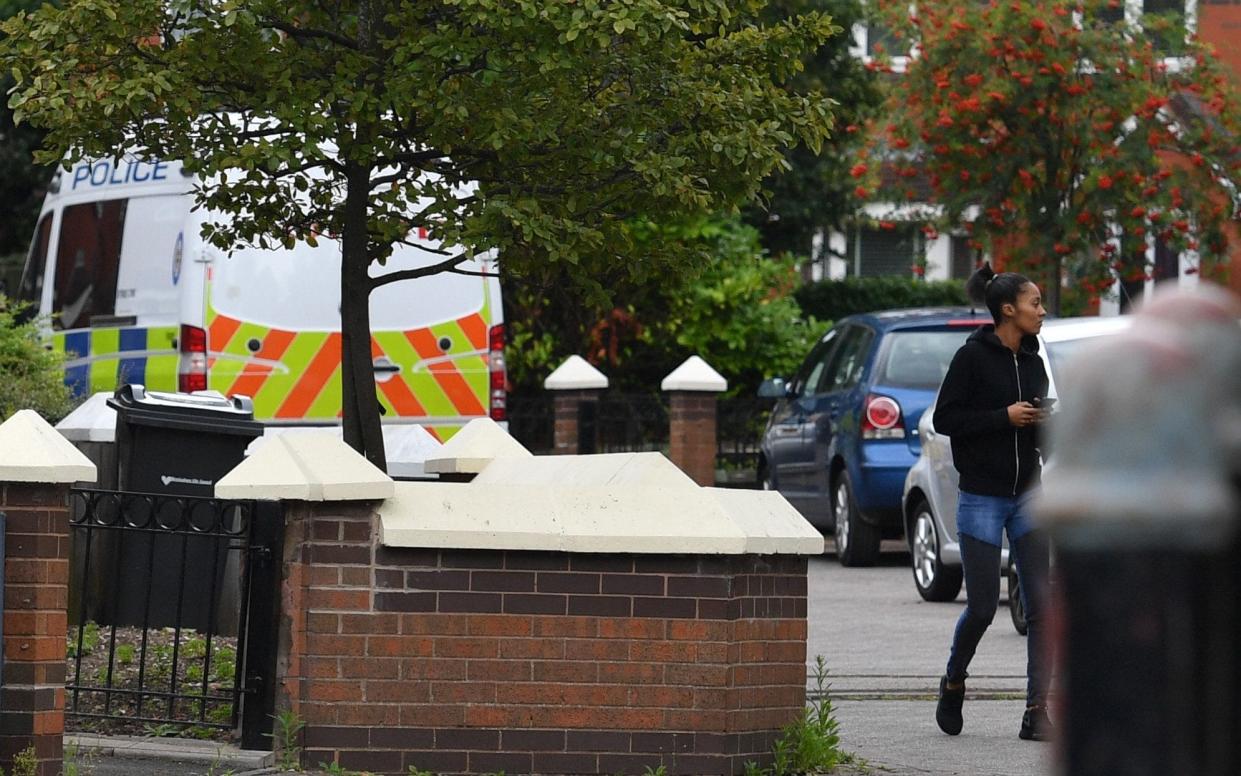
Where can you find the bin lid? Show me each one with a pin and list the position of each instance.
(202, 410)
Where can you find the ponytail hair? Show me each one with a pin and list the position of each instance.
(994, 289)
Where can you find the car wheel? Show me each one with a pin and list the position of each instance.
(764, 479)
(935, 580)
(1015, 609)
(857, 542)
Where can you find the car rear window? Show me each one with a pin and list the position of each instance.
(919, 359)
(1058, 353)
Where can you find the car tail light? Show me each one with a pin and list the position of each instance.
(192, 370)
(882, 418)
(499, 373)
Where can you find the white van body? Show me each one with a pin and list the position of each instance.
(134, 295)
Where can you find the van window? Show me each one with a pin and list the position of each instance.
(87, 259)
(31, 287)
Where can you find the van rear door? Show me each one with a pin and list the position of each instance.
(114, 298)
(274, 334)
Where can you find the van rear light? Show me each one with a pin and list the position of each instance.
(499, 373)
(881, 419)
(192, 369)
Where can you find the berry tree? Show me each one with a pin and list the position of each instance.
(1065, 139)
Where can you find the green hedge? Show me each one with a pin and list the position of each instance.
(831, 300)
(31, 376)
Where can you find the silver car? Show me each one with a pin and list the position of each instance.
(929, 503)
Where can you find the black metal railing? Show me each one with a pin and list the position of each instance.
(171, 600)
(626, 422)
(531, 421)
(739, 423)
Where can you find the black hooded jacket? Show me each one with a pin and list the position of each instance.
(994, 457)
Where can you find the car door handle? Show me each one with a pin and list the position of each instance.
(787, 430)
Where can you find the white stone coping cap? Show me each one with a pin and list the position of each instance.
(639, 470)
(771, 524)
(625, 504)
(305, 467)
(694, 375)
(407, 446)
(92, 421)
(575, 374)
(32, 451)
(471, 449)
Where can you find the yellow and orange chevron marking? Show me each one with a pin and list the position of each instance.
(296, 375)
(446, 374)
(397, 391)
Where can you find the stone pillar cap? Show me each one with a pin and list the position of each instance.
(305, 467)
(575, 374)
(481, 441)
(32, 451)
(92, 421)
(694, 375)
(406, 445)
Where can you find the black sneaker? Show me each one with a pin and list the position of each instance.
(1036, 725)
(948, 710)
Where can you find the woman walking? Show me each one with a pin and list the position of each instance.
(989, 406)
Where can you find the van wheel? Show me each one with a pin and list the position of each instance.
(857, 541)
(1015, 609)
(934, 580)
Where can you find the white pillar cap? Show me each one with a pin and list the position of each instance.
(481, 441)
(575, 374)
(694, 375)
(305, 467)
(32, 451)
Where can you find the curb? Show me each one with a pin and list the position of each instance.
(172, 750)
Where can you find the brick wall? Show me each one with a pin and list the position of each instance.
(691, 434)
(36, 575)
(535, 662)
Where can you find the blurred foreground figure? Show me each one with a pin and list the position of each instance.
(1144, 507)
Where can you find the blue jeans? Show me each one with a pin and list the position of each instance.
(988, 517)
(985, 517)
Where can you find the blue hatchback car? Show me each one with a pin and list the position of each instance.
(844, 430)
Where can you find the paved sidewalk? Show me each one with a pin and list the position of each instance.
(900, 738)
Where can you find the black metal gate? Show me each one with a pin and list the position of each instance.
(173, 610)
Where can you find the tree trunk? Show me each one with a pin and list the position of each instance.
(1048, 234)
(360, 404)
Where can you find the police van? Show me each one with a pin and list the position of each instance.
(134, 295)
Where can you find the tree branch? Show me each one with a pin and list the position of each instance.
(448, 265)
(478, 274)
(302, 34)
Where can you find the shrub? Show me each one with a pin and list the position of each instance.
(833, 299)
(31, 376)
(737, 312)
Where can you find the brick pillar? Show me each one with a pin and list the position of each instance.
(37, 466)
(692, 388)
(691, 434)
(570, 408)
(576, 384)
(36, 597)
